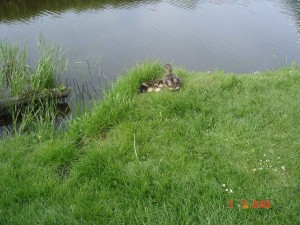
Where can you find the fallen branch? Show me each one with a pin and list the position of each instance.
(28, 98)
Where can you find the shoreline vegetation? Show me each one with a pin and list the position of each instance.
(200, 155)
(30, 91)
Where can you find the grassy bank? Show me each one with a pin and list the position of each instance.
(166, 157)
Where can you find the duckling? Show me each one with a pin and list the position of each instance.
(150, 86)
(170, 80)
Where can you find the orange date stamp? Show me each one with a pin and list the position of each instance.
(255, 204)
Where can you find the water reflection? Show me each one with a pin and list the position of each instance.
(12, 10)
(293, 9)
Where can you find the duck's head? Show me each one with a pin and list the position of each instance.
(168, 68)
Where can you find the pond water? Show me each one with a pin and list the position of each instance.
(233, 35)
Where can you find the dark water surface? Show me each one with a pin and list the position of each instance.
(232, 35)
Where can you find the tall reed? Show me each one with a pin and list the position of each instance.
(14, 69)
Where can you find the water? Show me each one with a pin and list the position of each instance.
(237, 36)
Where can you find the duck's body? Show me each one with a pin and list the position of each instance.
(170, 80)
(150, 86)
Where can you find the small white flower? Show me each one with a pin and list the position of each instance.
(226, 189)
(230, 191)
(283, 167)
(278, 157)
(223, 185)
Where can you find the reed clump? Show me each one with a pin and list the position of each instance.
(19, 77)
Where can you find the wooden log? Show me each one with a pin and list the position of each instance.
(28, 98)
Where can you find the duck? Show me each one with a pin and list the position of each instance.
(170, 80)
(150, 86)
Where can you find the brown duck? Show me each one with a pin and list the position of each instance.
(170, 80)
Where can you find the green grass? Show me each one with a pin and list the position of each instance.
(238, 130)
